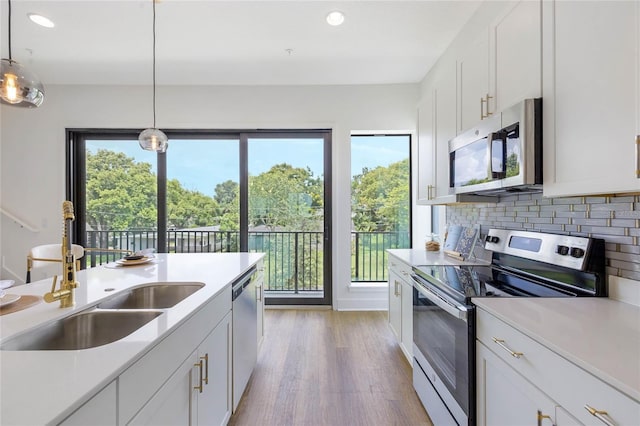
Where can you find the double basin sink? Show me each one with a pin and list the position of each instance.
(106, 322)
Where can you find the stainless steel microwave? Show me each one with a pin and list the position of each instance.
(502, 153)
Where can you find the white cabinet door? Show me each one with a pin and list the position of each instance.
(516, 55)
(406, 342)
(504, 397)
(591, 96)
(214, 376)
(175, 402)
(445, 127)
(426, 148)
(395, 304)
(99, 410)
(563, 418)
(473, 82)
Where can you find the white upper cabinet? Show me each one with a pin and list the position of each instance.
(444, 97)
(591, 95)
(426, 149)
(473, 82)
(515, 55)
(502, 65)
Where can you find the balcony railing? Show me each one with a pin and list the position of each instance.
(294, 259)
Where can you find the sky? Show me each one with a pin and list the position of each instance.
(201, 164)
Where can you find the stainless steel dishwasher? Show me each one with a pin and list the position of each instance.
(245, 334)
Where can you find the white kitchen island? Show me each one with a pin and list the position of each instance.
(129, 380)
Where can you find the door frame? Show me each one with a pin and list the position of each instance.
(76, 186)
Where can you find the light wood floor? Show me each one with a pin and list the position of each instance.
(322, 367)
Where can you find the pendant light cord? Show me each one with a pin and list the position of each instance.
(9, 27)
(154, 63)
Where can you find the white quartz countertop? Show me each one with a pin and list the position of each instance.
(44, 387)
(418, 257)
(600, 335)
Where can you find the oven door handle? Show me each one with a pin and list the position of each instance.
(453, 310)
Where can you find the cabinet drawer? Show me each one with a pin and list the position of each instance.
(569, 385)
(399, 267)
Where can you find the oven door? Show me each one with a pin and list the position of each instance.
(443, 351)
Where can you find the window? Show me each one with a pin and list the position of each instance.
(380, 202)
(265, 191)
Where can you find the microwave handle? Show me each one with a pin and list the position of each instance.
(502, 137)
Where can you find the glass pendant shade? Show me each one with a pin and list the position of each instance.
(153, 140)
(18, 86)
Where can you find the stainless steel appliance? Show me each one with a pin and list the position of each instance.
(524, 264)
(502, 153)
(245, 332)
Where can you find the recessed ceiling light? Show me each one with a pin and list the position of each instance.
(41, 20)
(335, 18)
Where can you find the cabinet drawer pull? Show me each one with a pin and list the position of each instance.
(429, 192)
(396, 288)
(500, 342)
(206, 368)
(199, 365)
(541, 417)
(259, 293)
(599, 414)
(482, 102)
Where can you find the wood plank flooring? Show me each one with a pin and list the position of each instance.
(322, 367)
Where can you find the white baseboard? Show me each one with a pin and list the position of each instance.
(362, 305)
(624, 290)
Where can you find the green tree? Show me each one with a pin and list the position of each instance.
(187, 209)
(121, 194)
(380, 198)
(287, 197)
(227, 194)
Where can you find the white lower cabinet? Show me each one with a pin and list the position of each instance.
(213, 376)
(163, 387)
(175, 402)
(99, 410)
(198, 392)
(401, 305)
(505, 398)
(517, 376)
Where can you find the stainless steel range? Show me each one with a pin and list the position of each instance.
(524, 264)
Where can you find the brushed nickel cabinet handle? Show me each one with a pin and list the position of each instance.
(599, 414)
(500, 342)
(482, 102)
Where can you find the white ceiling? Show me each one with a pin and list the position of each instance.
(233, 42)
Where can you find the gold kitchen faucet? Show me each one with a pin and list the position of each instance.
(68, 282)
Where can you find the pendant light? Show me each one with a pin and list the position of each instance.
(154, 139)
(18, 86)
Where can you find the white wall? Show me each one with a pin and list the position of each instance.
(32, 154)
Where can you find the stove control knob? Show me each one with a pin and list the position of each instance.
(492, 239)
(577, 252)
(562, 250)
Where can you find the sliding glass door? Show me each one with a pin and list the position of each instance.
(210, 192)
(287, 208)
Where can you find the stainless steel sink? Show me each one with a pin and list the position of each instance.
(152, 296)
(81, 331)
